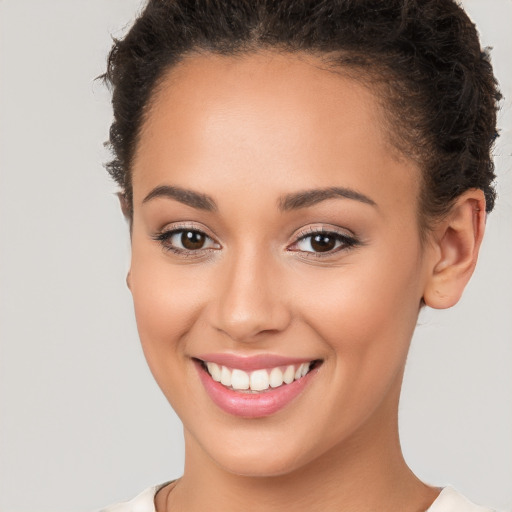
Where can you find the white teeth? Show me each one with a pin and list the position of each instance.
(289, 375)
(239, 379)
(276, 378)
(214, 370)
(225, 377)
(259, 380)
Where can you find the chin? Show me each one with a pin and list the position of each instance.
(259, 465)
(258, 455)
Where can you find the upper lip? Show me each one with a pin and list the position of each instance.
(250, 363)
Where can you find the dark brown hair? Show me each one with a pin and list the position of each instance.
(436, 83)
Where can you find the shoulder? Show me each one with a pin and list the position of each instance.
(143, 502)
(450, 500)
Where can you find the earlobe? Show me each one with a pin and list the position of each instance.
(128, 279)
(457, 240)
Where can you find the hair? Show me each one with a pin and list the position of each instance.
(436, 84)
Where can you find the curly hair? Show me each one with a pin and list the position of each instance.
(424, 56)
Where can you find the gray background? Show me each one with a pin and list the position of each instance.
(82, 423)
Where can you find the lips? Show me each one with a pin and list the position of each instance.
(256, 386)
(250, 363)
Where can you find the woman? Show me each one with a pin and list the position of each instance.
(300, 179)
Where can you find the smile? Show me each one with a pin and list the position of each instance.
(254, 387)
(258, 380)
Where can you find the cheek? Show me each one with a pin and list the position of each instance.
(162, 304)
(167, 301)
(365, 316)
(366, 312)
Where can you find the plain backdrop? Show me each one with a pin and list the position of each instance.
(82, 422)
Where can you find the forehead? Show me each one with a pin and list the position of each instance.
(265, 119)
(276, 90)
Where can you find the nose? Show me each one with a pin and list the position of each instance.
(250, 299)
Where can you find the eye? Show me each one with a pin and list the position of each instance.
(323, 242)
(186, 241)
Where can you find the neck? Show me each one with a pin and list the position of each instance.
(364, 473)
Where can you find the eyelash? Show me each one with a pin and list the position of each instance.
(165, 237)
(345, 242)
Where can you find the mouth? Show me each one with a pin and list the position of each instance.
(257, 391)
(260, 380)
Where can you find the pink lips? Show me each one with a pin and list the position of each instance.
(251, 405)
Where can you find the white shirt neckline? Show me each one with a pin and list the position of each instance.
(449, 500)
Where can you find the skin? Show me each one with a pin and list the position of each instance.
(237, 130)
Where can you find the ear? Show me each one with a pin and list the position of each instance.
(125, 206)
(456, 241)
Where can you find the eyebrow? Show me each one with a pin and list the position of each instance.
(183, 195)
(306, 198)
(293, 201)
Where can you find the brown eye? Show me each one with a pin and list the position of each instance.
(323, 243)
(192, 240)
(186, 241)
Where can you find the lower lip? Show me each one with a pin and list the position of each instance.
(252, 405)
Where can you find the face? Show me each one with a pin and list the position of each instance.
(274, 228)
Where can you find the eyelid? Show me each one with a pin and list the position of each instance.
(323, 228)
(349, 240)
(183, 225)
(169, 230)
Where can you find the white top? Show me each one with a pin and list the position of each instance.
(449, 500)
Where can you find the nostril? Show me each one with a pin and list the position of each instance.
(251, 321)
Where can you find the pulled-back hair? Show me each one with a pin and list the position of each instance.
(422, 57)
